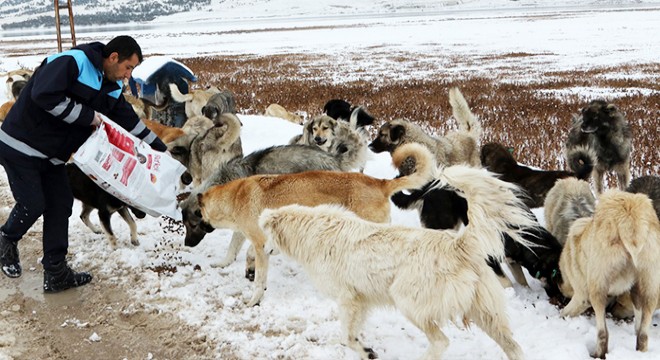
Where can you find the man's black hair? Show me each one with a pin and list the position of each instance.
(123, 45)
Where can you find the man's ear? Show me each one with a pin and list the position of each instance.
(114, 57)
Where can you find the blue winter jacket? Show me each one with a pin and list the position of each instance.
(52, 117)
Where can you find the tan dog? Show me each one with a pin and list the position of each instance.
(216, 146)
(458, 147)
(165, 133)
(432, 277)
(194, 100)
(4, 109)
(238, 204)
(568, 200)
(614, 252)
(278, 111)
(139, 107)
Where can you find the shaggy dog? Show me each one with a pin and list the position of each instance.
(278, 111)
(192, 129)
(649, 185)
(94, 197)
(536, 183)
(602, 133)
(432, 277)
(336, 137)
(567, 201)
(218, 104)
(614, 252)
(237, 204)
(459, 147)
(341, 110)
(215, 147)
(195, 100)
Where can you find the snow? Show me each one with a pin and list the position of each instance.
(294, 321)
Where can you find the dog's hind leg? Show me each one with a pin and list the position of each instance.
(261, 268)
(495, 324)
(598, 297)
(578, 304)
(623, 175)
(249, 263)
(599, 177)
(126, 215)
(237, 240)
(84, 216)
(517, 272)
(352, 314)
(645, 300)
(104, 216)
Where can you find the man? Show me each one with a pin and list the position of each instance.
(56, 113)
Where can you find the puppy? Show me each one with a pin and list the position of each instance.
(568, 200)
(215, 147)
(602, 132)
(432, 277)
(278, 111)
(195, 100)
(649, 185)
(614, 252)
(94, 197)
(218, 104)
(339, 109)
(459, 147)
(237, 204)
(536, 183)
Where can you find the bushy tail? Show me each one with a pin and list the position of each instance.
(493, 208)
(425, 167)
(178, 96)
(581, 160)
(631, 217)
(467, 122)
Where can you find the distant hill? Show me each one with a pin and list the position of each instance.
(17, 14)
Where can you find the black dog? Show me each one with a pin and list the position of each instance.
(536, 183)
(341, 110)
(93, 197)
(649, 185)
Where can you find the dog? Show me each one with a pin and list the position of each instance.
(195, 100)
(16, 81)
(218, 104)
(278, 111)
(443, 208)
(457, 147)
(601, 132)
(568, 200)
(281, 159)
(139, 107)
(432, 277)
(93, 197)
(166, 133)
(614, 252)
(339, 109)
(536, 183)
(180, 147)
(215, 147)
(4, 109)
(337, 137)
(649, 185)
(237, 204)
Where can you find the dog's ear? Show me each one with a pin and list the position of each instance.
(397, 132)
(183, 196)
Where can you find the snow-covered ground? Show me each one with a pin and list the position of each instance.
(294, 321)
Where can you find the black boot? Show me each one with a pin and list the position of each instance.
(11, 264)
(58, 277)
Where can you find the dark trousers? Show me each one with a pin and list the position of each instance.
(39, 188)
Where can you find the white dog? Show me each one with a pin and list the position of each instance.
(432, 277)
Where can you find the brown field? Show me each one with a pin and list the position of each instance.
(526, 115)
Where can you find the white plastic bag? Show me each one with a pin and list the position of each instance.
(131, 170)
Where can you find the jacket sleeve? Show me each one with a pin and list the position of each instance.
(51, 88)
(122, 113)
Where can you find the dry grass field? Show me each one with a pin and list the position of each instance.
(533, 117)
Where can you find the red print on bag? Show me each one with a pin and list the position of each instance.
(118, 139)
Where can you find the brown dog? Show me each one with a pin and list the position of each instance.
(238, 204)
(458, 147)
(165, 133)
(278, 111)
(614, 252)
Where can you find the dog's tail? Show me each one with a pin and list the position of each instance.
(630, 217)
(467, 122)
(425, 168)
(494, 208)
(581, 160)
(178, 96)
(360, 117)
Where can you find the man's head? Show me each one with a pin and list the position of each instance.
(120, 56)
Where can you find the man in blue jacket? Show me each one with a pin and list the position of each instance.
(56, 112)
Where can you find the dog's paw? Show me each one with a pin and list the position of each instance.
(249, 274)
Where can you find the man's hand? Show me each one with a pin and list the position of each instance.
(97, 119)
